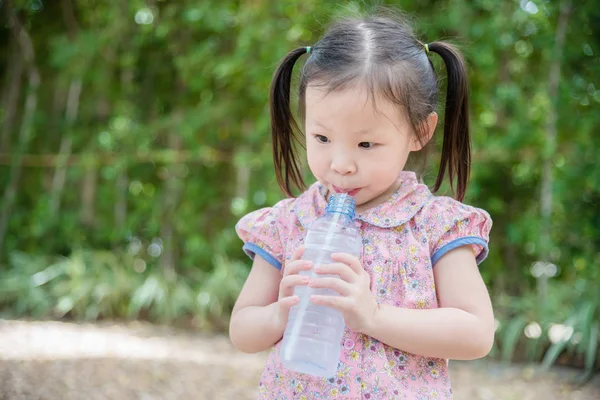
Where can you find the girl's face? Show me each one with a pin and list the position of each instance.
(354, 147)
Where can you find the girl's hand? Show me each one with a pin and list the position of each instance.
(356, 302)
(291, 279)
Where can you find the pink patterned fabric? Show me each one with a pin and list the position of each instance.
(403, 238)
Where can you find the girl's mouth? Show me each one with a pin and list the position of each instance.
(351, 192)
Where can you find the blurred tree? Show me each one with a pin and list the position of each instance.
(142, 128)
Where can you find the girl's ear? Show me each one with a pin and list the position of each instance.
(427, 128)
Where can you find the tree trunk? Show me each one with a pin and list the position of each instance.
(88, 194)
(69, 18)
(66, 145)
(12, 91)
(545, 244)
(33, 83)
(173, 185)
(127, 92)
(242, 172)
(72, 108)
(122, 184)
(172, 193)
(87, 212)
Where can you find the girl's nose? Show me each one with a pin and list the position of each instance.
(343, 164)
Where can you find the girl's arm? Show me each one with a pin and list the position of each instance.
(462, 328)
(261, 311)
(254, 324)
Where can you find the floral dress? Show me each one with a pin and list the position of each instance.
(403, 239)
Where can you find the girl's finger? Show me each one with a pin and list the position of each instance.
(338, 302)
(287, 284)
(340, 286)
(295, 267)
(286, 303)
(349, 260)
(344, 271)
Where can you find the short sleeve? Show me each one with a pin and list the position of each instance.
(259, 230)
(456, 224)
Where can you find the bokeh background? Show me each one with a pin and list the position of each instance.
(134, 135)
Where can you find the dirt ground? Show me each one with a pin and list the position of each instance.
(63, 361)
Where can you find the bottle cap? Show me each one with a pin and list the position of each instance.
(342, 203)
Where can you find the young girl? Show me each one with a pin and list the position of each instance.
(415, 298)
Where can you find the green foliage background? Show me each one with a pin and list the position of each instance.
(135, 133)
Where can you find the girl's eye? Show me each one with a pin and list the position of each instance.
(366, 145)
(321, 138)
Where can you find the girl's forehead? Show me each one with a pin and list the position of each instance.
(349, 104)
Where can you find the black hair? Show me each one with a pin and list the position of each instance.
(383, 54)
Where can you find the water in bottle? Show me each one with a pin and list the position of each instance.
(312, 339)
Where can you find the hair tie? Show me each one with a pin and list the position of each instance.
(426, 48)
(307, 49)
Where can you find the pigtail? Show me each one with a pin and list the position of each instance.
(284, 129)
(456, 148)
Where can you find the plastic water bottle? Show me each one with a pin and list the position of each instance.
(312, 338)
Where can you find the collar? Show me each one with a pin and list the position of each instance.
(410, 197)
